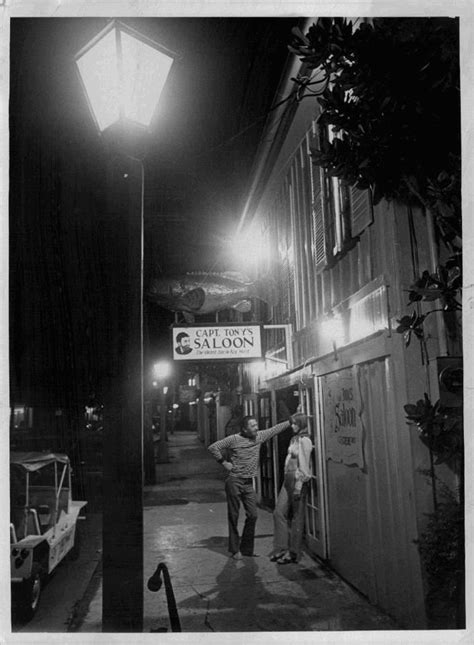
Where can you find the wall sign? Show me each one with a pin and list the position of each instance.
(342, 421)
(217, 342)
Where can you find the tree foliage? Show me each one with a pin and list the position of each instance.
(392, 96)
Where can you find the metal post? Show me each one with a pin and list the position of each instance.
(163, 453)
(122, 596)
(148, 445)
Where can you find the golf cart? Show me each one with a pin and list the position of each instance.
(43, 521)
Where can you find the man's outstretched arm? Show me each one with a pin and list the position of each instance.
(264, 435)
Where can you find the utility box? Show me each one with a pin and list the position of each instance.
(450, 381)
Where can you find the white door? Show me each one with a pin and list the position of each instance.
(316, 506)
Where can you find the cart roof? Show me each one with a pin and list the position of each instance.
(36, 460)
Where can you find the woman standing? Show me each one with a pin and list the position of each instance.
(288, 516)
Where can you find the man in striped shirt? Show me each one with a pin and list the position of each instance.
(242, 467)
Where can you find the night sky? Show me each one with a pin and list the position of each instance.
(67, 255)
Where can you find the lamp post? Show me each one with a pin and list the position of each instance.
(161, 371)
(123, 74)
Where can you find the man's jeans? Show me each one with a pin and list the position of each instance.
(239, 490)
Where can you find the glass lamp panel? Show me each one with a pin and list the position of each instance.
(99, 72)
(145, 70)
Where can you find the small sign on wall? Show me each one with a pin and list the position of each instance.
(217, 342)
(342, 421)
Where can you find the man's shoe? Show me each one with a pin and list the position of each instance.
(251, 555)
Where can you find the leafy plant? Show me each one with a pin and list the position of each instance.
(441, 429)
(441, 547)
(443, 285)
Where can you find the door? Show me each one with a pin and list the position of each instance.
(348, 475)
(266, 458)
(287, 402)
(316, 506)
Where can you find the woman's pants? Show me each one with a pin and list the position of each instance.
(288, 517)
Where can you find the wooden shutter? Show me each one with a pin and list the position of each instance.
(291, 259)
(362, 213)
(320, 217)
(319, 230)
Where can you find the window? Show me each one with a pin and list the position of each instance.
(313, 221)
(298, 184)
(340, 212)
(22, 417)
(279, 227)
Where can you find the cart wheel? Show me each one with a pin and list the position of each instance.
(30, 594)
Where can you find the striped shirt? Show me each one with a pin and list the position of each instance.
(244, 452)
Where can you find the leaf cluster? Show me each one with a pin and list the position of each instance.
(443, 285)
(441, 429)
(408, 325)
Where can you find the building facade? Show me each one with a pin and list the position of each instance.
(342, 268)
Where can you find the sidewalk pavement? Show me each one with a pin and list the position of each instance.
(185, 526)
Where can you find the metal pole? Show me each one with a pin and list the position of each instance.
(122, 597)
(142, 263)
(163, 453)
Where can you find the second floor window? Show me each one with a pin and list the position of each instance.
(313, 221)
(340, 212)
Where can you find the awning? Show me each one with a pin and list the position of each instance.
(35, 460)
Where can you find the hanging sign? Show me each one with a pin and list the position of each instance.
(217, 342)
(342, 421)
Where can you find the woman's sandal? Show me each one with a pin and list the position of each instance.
(286, 559)
(276, 556)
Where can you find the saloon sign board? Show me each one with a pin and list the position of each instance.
(217, 342)
(343, 426)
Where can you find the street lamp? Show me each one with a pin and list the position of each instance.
(161, 370)
(256, 244)
(123, 74)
